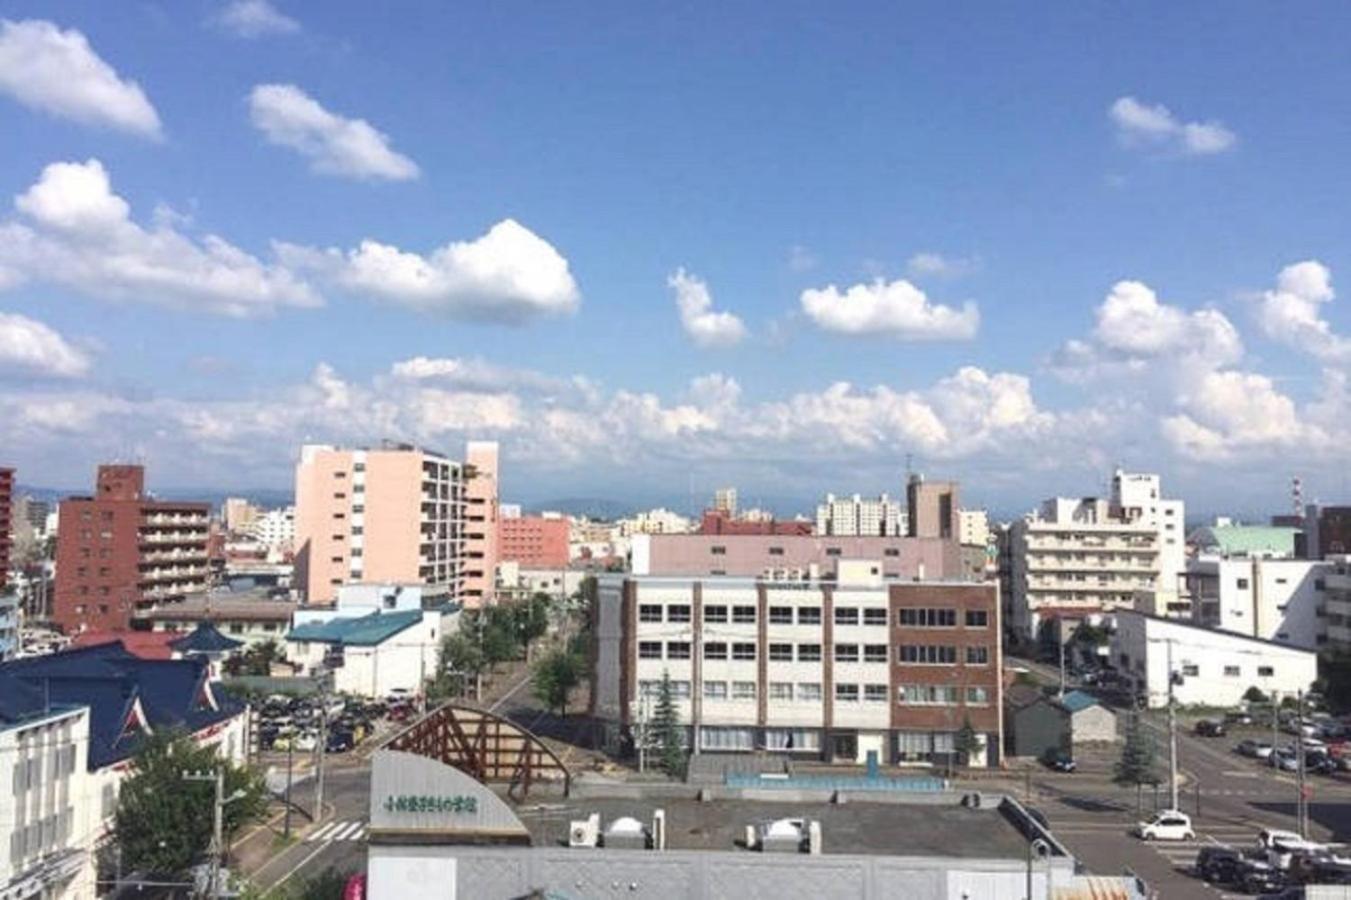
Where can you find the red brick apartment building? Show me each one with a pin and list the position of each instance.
(535, 542)
(117, 551)
(6, 522)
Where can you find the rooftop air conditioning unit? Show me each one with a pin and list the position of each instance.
(584, 832)
(782, 836)
(626, 833)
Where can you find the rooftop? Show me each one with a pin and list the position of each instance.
(1246, 540)
(858, 827)
(361, 631)
(253, 606)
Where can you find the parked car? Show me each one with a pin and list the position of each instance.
(1254, 876)
(339, 742)
(1284, 759)
(1217, 864)
(1209, 728)
(1058, 760)
(1319, 763)
(1169, 825)
(1281, 846)
(1238, 717)
(1254, 749)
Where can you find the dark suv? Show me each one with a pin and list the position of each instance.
(1209, 728)
(1218, 864)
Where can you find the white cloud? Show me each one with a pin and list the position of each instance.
(334, 144)
(1138, 124)
(57, 72)
(703, 326)
(1291, 313)
(255, 18)
(74, 231)
(936, 265)
(29, 347)
(896, 308)
(1231, 412)
(509, 274)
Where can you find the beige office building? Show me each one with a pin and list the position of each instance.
(479, 571)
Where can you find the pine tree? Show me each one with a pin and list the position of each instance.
(966, 742)
(1136, 765)
(667, 732)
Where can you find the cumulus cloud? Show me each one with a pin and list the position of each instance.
(255, 18)
(334, 144)
(509, 275)
(1291, 312)
(57, 72)
(1229, 413)
(29, 347)
(702, 324)
(1142, 125)
(896, 308)
(935, 265)
(73, 230)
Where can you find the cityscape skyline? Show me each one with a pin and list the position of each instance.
(305, 243)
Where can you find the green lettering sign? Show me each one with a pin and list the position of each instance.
(422, 803)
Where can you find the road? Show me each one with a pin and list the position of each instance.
(1228, 796)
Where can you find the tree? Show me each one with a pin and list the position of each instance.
(966, 742)
(667, 733)
(1136, 765)
(459, 659)
(163, 823)
(554, 677)
(1254, 695)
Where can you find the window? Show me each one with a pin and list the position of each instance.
(649, 612)
(649, 649)
(743, 690)
(875, 693)
(846, 653)
(921, 617)
(1243, 584)
(809, 692)
(677, 649)
(833, 551)
(1265, 671)
(891, 551)
(649, 688)
(809, 615)
(680, 690)
(718, 550)
(781, 615)
(928, 654)
(744, 615)
(743, 651)
(715, 614)
(808, 652)
(977, 656)
(1231, 671)
(808, 739)
(1191, 670)
(846, 693)
(874, 617)
(718, 737)
(678, 612)
(715, 650)
(846, 615)
(875, 653)
(977, 618)
(926, 695)
(977, 696)
(781, 652)
(781, 690)
(776, 551)
(715, 690)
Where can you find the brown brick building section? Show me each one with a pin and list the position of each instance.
(117, 551)
(6, 521)
(968, 603)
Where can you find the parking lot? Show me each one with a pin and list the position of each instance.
(293, 724)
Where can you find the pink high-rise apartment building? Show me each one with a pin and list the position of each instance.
(389, 515)
(479, 571)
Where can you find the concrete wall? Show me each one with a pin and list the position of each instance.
(1095, 724)
(751, 555)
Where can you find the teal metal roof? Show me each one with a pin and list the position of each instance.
(1075, 701)
(362, 631)
(1247, 540)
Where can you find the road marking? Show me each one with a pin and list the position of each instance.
(323, 833)
(338, 831)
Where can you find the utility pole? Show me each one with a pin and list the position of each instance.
(286, 829)
(1061, 641)
(217, 825)
(1172, 732)
(319, 753)
(1275, 721)
(1302, 804)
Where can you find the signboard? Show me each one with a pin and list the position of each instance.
(412, 794)
(455, 803)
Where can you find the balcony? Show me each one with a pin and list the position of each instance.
(172, 537)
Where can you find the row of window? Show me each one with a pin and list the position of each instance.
(42, 836)
(918, 617)
(28, 773)
(909, 654)
(810, 692)
(1191, 670)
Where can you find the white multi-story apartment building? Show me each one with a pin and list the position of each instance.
(973, 527)
(1337, 601)
(1072, 559)
(1139, 498)
(9, 623)
(275, 528)
(856, 516)
(836, 669)
(724, 500)
(1281, 600)
(656, 521)
(1210, 667)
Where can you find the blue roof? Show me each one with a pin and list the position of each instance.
(205, 638)
(1075, 701)
(357, 631)
(113, 682)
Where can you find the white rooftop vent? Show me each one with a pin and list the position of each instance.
(584, 832)
(626, 833)
(782, 836)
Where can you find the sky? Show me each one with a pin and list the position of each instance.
(654, 250)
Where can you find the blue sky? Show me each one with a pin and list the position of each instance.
(1025, 159)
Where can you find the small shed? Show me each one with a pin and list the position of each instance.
(1038, 722)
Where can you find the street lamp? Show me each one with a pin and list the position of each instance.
(1038, 847)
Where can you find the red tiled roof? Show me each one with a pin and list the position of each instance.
(142, 644)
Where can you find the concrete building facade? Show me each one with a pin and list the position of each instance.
(932, 508)
(856, 516)
(534, 542)
(840, 669)
(1279, 600)
(118, 550)
(6, 522)
(393, 514)
(789, 557)
(481, 519)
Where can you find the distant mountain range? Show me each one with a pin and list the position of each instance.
(264, 497)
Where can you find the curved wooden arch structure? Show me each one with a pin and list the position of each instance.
(483, 745)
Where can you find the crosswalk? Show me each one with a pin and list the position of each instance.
(351, 830)
(1181, 855)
